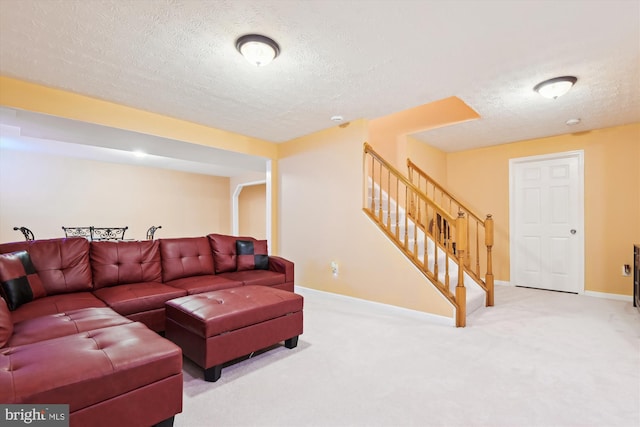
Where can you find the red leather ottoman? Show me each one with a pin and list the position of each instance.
(218, 326)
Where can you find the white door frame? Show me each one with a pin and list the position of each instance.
(235, 210)
(579, 154)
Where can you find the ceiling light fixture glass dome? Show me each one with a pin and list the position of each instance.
(258, 50)
(555, 87)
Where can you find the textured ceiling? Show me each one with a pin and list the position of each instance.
(358, 59)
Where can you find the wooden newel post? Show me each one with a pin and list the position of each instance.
(488, 241)
(461, 292)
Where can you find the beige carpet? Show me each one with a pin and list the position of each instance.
(537, 358)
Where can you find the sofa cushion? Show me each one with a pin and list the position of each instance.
(19, 281)
(224, 251)
(200, 284)
(62, 264)
(87, 368)
(123, 262)
(63, 324)
(185, 257)
(138, 297)
(252, 255)
(6, 323)
(53, 304)
(256, 277)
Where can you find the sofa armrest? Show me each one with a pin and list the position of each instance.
(281, 265)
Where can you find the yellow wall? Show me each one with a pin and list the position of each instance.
(45, 192)
(252, 207)
(612, 205)
(428, 158)
(322, 221)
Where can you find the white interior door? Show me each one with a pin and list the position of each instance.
(547, 222)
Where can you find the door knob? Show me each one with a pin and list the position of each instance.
(573, 231)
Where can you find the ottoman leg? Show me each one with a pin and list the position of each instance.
(213, 373)
(291, 342)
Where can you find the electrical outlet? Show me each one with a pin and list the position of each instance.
(334, 268)
(626, 270)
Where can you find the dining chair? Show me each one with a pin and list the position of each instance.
(151, 231)
(77, 232)
(108, 233)
(28, 234)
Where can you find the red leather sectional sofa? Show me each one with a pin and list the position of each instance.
(85, 331)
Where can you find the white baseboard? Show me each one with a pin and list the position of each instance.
(420, 315)
(618, 297)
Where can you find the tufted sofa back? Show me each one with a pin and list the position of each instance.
(62, 264)
(123, 262)
(185, 257)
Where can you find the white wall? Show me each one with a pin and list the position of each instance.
(44, 192)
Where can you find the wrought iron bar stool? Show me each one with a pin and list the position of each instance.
(151, 231)
(77, 232)
(28, 234)
(108, 233)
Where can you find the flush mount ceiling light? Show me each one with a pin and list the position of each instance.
(556, 87)
(258, 50)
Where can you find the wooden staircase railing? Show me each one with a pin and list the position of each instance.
(478, 257)
(402, 217)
